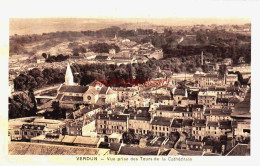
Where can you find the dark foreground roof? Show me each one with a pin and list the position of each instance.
(73, 89)
(127, 150)
(239, 150)
(21, 148)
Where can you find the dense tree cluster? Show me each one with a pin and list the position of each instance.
(58, 58)
(85, 74)
(103, 47)
(22, 105)
(36, 78)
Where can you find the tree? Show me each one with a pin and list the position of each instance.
(129, 136)
(22, 105)
(44, 55)
(222, 70)
(57, 112)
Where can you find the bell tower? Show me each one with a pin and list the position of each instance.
(69, 76)
(202, 58)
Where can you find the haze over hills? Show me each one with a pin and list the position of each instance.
(44, 25)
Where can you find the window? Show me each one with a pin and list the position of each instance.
(159, 128)
(25, 133)
(16, 132)
(155, 128)
(122, 128)
(163, 129)
(116, 127)
(100, 126)
(152, 127)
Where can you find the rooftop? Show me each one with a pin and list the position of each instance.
(207, 94)
(161, 121)
(239, 150)
(73, 89)
(181, 109)
(179, 92)
(72, 98)
(128, 150)
(22, 148)
(86, 140)
(199, 123)
(165, 108)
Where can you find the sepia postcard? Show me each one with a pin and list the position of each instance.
(114, 87)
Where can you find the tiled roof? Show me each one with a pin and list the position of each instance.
(177, 123)
(179, 92)
(94, 83)
(73, 89)
(225, 125)
(194, 143)
(68, 139)
(128, 150)
(185, 152)
(22, 148)
(181, 109)
(103, 145)
(72, 98)
(164, 98)
(239, 150)
(220, 112)
(118, 117)
(89, 109)
(119, 109)
(101, 57)
(242, 110)
(212, 124)
(59, 96)
(199, 123)
(102, 116)
(233, 100)
(103, 90)
(165, 108)
(93, 90)
(187, 122)
(115, 146)
(161, 121)
(86, 140)
(216, 89)
(197, 106)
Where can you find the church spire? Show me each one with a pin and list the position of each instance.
(69, 76)
(202, 58)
